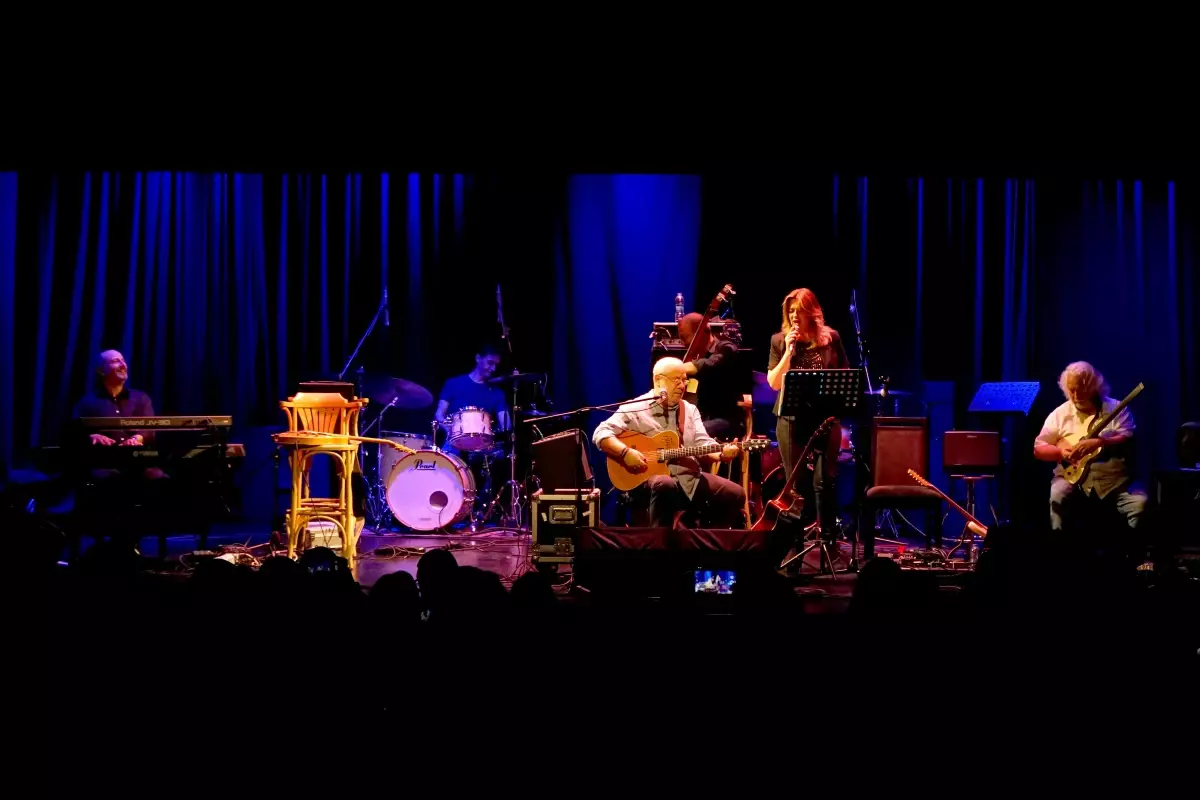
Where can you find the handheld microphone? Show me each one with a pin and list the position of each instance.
(387, 323)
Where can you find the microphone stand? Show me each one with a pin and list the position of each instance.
(357, 347)
(358, 387)
(514, 489)
(862, 350)
(605, 407)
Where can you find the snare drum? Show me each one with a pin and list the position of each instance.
(388, 456)
(430, 490)
(471, 429)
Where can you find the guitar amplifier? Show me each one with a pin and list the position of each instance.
(560, 462)
(967, 450)
(557, 518)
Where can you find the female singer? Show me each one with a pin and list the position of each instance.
(806, 342)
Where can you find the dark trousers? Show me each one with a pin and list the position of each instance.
(126, 503)
(816, 486)
(720, 499)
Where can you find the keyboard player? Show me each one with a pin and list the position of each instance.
(111, 396)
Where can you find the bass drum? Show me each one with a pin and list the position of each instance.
(430, 490)
(388, 456)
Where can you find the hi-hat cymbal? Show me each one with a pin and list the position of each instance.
(396, 392)
(517, 377)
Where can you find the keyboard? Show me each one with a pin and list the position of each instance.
(175, 423)
(52, 459)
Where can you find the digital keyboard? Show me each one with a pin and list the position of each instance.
(170, 423)
(114, 456)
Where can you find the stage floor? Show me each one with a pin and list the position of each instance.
(505, 552)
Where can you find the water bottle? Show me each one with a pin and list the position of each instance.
(678, 306)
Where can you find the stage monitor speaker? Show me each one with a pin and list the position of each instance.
(560, 462)
(899, 444)
(971, 450)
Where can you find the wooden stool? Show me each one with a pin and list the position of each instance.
(321, 423)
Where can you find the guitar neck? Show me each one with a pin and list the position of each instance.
(684, 452)
(1103, 421)
(956, 506)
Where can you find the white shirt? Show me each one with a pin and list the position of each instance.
(1068, 425)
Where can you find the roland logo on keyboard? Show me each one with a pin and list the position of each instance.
(174, 422)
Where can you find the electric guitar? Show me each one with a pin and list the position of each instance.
(789, 501)
(1074, 473)
(700, 342)
(659, 450)
(975, 526)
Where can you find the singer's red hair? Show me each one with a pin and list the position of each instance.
(816, 330)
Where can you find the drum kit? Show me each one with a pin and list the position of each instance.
(448, 479)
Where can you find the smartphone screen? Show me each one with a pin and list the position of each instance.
(711, 581)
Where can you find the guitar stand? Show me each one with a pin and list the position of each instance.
(825, 560)
(967, 537)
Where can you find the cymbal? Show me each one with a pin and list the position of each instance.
(892, 393)
(384, 389)
(517, 377)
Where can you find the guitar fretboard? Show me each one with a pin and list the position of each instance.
(684, 452)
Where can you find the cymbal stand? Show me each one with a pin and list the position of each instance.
(512, 518)
(377, 504)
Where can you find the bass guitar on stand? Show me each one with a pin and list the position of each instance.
(973, 525)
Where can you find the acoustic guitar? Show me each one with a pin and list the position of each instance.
(973, 525)
(789, 501)
(1074, 473)
(700, 342)
(659, 450)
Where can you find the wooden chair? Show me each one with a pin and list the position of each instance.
(899, 444)
(322, 423)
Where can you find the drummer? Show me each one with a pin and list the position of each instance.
(472, 389)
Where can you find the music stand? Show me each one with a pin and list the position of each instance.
(1005, 397)
(820, 393)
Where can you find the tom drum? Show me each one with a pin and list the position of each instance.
(471, 429)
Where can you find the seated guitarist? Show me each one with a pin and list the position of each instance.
(688, 483)
(1062, 440)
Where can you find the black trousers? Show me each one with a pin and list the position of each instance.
(725, 500)
(815, 486)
